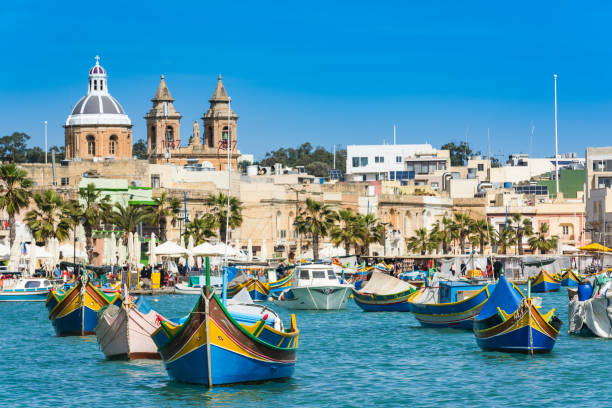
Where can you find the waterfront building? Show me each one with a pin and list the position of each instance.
(98, 128)
(598, 192)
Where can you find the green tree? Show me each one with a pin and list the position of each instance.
(60, 153)
(95, 210)
(421, 242)
(463, 226)
(459, 153)
(13, 148)
(35, 155)
(540, 242)
(317, 161)
(505, 238)
(217, 207)
(481, 229)
(374, 231)
(50, 218)
(243, 164)
(165, 212)
(139, 150)
(200, 228)
(349, 231)
(316, 219)
(317, 168)
(15, 195)
(522, 228)
(127, 218)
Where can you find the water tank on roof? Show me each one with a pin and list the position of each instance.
(252, 170)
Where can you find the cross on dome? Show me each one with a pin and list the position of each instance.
(97, 57)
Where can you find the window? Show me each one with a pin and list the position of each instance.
(379, 159)
(363, 161)
(409, 166)
(282, 233)
(418, 168)
(101, 85)
(331, 275)
(169, 135)
(480, 167)
(398, 159)
(91, 145)
(64, 181)
(304, 274)
(565, 229)
(225, 133)
(209, 137)
(155, 182)
(112, 146)
(441, 165)
(95, 85)
(318, 274)
(355, 161)
(32, 284)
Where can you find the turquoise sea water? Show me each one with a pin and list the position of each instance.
(346, 359)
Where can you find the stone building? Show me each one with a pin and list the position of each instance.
(98, 127)
(208, 152)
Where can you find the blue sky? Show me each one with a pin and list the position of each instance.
(323, 71)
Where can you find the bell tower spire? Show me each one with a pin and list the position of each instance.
(220, 120)
(163, 122)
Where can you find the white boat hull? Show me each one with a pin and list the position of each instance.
(127, 335)
(315, 298)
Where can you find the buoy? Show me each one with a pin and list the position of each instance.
(155, 300)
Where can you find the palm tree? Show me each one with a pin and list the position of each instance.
(218, 210)
(349, 231)
(127, 218)
(373, 232)
(482, 229)
(420, 242)
(165, 211)
(522, 228)
(95, 209)
(317, 219)
(505, 238)
(200, 228)
(463, 226)
(540, 242)
(50, 218)
(15, 194)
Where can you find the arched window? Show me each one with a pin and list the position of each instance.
(225, 133)
(112, 146)
(102, 85)
(153, 138)
(209, 136)
(169, 136)
(95, 85)
(91, 145)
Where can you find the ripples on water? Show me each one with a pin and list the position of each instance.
(346, 358)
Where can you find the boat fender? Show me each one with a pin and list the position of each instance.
(265, 317)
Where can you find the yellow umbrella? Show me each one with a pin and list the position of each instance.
(595, 247)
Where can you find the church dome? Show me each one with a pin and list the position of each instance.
(98, 107)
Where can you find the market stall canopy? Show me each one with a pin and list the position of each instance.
(595, 247)
(207, 249)
(170, 248)
(68, 252)
(569, 248)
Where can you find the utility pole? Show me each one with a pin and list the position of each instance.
(556, 144)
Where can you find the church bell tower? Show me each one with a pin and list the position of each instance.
(163, 123)
(220, 121)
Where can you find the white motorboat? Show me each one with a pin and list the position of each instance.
(315, 287)
(124, 333)
(24, 289)
(196, 283)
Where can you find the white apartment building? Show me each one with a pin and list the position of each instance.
(383, 162)
(598, 193)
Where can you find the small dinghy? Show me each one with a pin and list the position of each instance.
(124, 333)
(513, 323)
(384, 293)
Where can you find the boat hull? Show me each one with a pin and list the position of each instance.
(30, 296)
(315, 298)
(127, 334)
(569, 279)
(258, 291)
(544, 282)
(237, 353)
(383, 303)
(457, 315)
(524, 331)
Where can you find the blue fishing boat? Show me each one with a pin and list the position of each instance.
(281, 284)
(74, 312)
(544, 282)
(384, 293)
(510, 322)
(24, 290)
(570, 279)
(452, 304)
(210, 347)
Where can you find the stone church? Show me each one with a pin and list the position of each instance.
(99, 129)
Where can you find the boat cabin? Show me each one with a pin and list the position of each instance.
(315, 275)
(456, 291)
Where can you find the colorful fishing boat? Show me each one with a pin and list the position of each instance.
(544, 282)
(569, 278)
(212, 348)
(384, 293)
(258, 290)
(74, 312)
(282, 283)
(452, 304)
(24, 290)
(511, 322)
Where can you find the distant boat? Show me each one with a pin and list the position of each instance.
(211, 347)
(124, 332)
(569, 278)
(510, 322)
(74, 312)
(384, 293)
(196, 283)
(24, 290)
(315, 287)
(257, 290)
(449, 304)
(545, 282)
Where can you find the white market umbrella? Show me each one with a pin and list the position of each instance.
(264, 251)
(5, 251)
(32, 260)
(249, 250)
(113, 249)
(190, 260)
(152, 258)
(13, 264)
(121, 254)
(199, 262)
(170, 249)
(137, 249)
(207, 249)
(69, 252)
